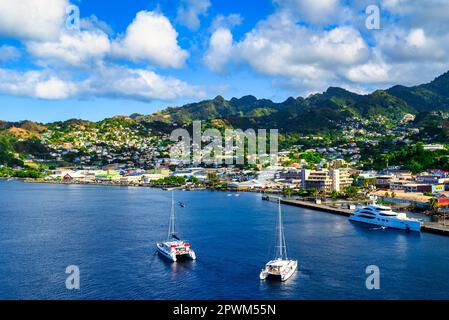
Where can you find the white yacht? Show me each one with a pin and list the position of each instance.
(385, 217)
(175, 248)
(280, 267)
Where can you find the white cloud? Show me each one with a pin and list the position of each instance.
(137, 84)
(151, 38)
(34, 84)
(280, 47)
(416, 38)
(220, 50)
(315, 11)
(76, 48)
(189, 12)
(54, 89)
(227, 22)
(9, 53)
(105, 81)
(32, 19)
(92, 23)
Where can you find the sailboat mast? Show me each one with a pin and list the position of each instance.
(282, 253)
(171, 225)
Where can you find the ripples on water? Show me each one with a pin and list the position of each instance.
(110, 233)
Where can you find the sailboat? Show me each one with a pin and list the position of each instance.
(281, 267)
(174, 248)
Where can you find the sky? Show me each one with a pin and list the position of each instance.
(136, 56)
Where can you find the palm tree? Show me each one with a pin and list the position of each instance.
(433, 205)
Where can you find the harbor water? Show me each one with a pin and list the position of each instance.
(110, 234)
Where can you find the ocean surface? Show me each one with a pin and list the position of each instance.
(110, 234)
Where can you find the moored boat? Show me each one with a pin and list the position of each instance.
(174, 248)
(384, 216)
(281, 267)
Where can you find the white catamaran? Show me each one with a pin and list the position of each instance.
(281, 267)
(174, 247)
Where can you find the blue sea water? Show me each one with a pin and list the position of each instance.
(110, 233)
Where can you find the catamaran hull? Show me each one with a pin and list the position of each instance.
(169, 256)
(282, 277)
(395, 224)
(173, 257)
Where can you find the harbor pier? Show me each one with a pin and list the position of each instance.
(430, 227)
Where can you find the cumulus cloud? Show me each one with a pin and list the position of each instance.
(309, 45)
(138, 84)
(32, 19)
(220, 50)
(35, 84)
(9, 53)
(151, 38)
(189, 12)
(314, 11)
(79, 48)
(106, 81)
(85, 63)
(227, 22)
(280, 47)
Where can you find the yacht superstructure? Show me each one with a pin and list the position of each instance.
(384, 216)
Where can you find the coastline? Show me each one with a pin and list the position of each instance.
(429, 227)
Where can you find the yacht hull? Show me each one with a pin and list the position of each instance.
(408, 225)
(173, 256)
(282, 276)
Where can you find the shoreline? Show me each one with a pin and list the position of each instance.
(429, 227)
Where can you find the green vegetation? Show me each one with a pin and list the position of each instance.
(413, 158)
(171, 181)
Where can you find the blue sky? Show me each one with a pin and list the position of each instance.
(141, 56)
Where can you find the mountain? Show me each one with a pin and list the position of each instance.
(322, 112)
(432, 96)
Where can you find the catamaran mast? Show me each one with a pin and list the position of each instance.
(171, 224)
(282, 249)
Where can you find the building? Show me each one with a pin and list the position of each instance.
(433, 147)
(431, 179)
(325, 180)
(404, 198)
(383, 182)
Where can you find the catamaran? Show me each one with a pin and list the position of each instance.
(174, 248)
(280, 267)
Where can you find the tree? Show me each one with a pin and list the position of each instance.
(433, 204)
(351, 191)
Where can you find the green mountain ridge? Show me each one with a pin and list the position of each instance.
(324, 112)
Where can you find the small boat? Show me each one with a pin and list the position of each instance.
(281, 267)
(174, 248)
(385, 217)
(182, 205)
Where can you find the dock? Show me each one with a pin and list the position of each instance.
(429, 227)
(315, 206)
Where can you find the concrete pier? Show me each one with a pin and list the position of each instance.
(430, 227)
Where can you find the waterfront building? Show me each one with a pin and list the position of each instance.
(326, 180)
(404, 198)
